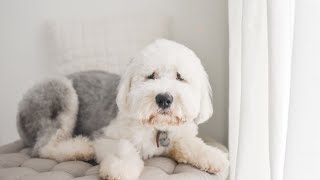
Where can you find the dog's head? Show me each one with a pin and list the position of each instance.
(165, 85)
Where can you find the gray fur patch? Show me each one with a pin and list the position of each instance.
(39, 108)
(97, 91)
(42, 104)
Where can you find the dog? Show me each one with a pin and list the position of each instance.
(161, 99)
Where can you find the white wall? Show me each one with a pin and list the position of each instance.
(199, 24)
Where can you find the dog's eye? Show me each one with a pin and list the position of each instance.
(179, 78)
(152, 76)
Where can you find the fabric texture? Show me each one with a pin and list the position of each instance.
(16, 164)
(248, 86)
(274, 90)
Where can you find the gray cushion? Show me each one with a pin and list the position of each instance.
(16, 164)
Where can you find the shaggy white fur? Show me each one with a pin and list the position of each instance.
(162, 67)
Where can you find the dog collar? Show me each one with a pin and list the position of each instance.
(162, 139)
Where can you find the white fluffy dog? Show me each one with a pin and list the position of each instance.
(162, 98)
(165, 89)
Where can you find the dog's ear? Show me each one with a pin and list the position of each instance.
(206, 107)
(124, 88)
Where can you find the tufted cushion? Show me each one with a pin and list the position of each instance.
(16, 164)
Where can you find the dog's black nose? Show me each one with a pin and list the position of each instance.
(164, 100)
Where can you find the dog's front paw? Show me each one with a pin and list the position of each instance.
(114, 168)
(213, 161)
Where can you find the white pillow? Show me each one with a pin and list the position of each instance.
(104, 43)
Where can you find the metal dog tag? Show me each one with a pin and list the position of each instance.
(162, 139)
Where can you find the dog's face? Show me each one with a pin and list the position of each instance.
(165, 85)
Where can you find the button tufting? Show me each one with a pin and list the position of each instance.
(157, 168)
(166, 164)
(92, 171)
(40, 165)
(54, 175)
(12, 160)
(15, 173)
(75, 168)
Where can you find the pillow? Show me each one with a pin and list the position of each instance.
(103, 43)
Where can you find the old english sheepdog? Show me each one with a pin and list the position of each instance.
(160, 101)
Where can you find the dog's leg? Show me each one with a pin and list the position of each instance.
(194, 151)
(55, 140)
(61, 147)
(118, 159)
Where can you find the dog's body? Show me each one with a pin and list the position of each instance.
(78, 104)
(165, 89)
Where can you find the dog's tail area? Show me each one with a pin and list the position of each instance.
(61, 149)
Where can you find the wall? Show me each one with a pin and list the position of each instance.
(199, 24)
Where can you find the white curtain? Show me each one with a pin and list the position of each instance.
(274, 82)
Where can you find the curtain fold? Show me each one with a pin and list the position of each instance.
(303, 145)
(248, 86)
(274, 89)
(254, 85)
(235, 16)
(280, 40)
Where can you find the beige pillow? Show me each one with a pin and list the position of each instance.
(103, 43)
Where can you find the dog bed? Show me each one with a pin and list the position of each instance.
(16, 164)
